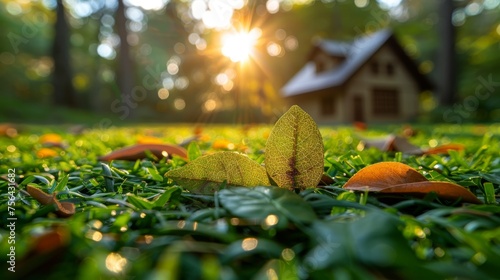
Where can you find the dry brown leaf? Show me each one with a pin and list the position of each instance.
(445, 190)
(401, 144)
(383, 175)
(398, 178)
(64, 209)
(138, 151)
(7, 129)
(51, 240)
(39, 195)
(443, 149)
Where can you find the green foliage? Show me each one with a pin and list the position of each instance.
(363, 241)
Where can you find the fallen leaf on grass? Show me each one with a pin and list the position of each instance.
(145, 139)
(7, 129)
(401, 179)
(50, 137)
(46, 153)
(64, 209)
(444, 190)
(207, 173)
(382, 175)
(401, 144)
(51, 240)
(138, 151)
(223, 144)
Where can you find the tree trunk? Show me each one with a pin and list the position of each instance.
(64, 92)
(125, 71)
(447, 55)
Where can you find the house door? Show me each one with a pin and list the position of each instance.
(358, 109)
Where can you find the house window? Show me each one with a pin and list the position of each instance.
(327, 106)
(389, 67)
(320, 66)
(385, 102)
(374, 68)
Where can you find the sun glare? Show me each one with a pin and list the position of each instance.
(238, 46)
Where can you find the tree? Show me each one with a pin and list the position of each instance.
(447, 54)
(125, 71)
(64, 92)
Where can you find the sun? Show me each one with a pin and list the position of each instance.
(239, 46)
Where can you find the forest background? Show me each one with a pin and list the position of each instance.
(106, 62)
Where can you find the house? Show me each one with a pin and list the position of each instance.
(370, 79)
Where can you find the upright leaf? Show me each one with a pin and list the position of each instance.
(205, 174)
(294, 151)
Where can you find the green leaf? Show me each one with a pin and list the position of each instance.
(260, 202)
(207, 173)
(489, 193)
(27, 180)
(139, 202)
(193, 151)
(108, 177)
(60, 186)
(154, 174)
(374, 240)
(166, 196)
(294, 151)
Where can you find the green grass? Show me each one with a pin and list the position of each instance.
(127, 234)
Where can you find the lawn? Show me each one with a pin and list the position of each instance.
(133, 222)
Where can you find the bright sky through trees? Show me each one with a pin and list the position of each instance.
(238, 46)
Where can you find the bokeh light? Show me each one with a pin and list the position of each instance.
(163, 93)
(115, 262)
(179, 104)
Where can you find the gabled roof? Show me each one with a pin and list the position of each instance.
(357, 54)
(334, 48)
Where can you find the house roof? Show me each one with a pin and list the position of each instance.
(357, 53)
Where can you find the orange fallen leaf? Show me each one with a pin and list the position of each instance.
(50, 137)
(7, 129)
(401, 179)
(64, 209)
(198, 130)
(148, 140)
(444, 149)
(223, 144)
(360, 125)
(46, 153)
(51, 240)
(401, 144)
(138, 151)
(445, 190)
(382, 175)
